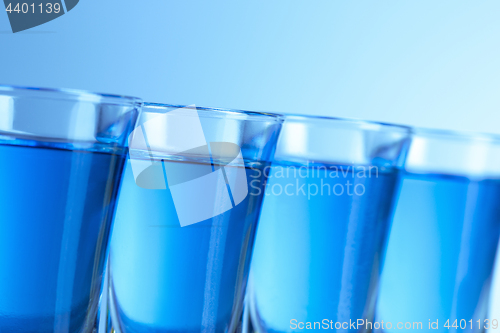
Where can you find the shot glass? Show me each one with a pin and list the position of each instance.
(444, 238)
(61, 157)
(322, 231)
(186, 219)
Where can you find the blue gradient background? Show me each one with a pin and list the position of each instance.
(426, 63)
(418, 62)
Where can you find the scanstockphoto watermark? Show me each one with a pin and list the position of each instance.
(311, 180)
(363, 324)
(328, 324)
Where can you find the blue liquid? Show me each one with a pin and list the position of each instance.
(168, 278)
(441, 251)
(319, 256)
(55, 210)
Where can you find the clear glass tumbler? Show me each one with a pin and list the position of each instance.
(61, 159)
(186, 218)
(444, 237)
(325, 217)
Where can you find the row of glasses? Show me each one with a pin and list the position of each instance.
(189, 196)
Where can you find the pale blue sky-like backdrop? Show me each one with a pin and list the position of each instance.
(433, 63)
(418, 62)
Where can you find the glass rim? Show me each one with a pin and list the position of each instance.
(359, 123)
(213, 112)
(73, 94)
(455, 135)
